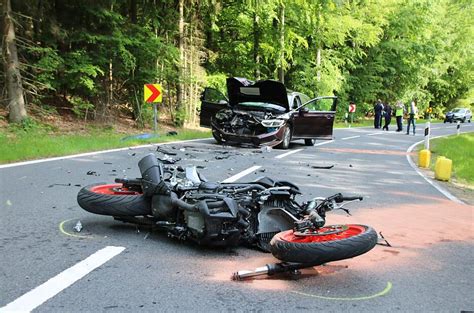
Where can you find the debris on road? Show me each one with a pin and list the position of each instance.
(109, 163)
(93, 173)
(322, 167)
(78, 227)
(50, 186)
(164, 151)
(9, 203)
(166, 159)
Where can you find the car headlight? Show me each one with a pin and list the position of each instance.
(272, 123)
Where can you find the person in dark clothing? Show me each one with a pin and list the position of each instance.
(388, 116)
(378, 108)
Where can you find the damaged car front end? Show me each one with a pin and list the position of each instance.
(264, 113)
(250, 123)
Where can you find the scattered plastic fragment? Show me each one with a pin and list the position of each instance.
(9, 203)
(222, 157)
(108, 163)
(168, 160)
(266, 149)
(78, 227)
(164, 151)
(323, 167)
(92, 173)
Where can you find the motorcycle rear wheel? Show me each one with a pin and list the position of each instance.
(326, 246)
(113, 200)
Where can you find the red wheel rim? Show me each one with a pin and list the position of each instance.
(114, 190)
(350, 231)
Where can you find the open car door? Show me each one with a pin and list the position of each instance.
(315, 118)
(212, 101)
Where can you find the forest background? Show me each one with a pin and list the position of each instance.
(90, 59)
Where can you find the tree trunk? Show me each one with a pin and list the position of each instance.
(256, 45)
(16, 100)
(281, 61)
(179, 89)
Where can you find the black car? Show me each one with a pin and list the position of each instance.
(265, 113)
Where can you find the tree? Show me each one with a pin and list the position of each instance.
(16, 100)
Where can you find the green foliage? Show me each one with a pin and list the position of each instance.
(101, 53)
(80, 107)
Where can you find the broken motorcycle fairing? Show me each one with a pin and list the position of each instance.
(263, 213)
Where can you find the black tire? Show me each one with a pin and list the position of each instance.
(464, 120)
(286, 138)
(309, 142)
(321, 252)
(112, 203)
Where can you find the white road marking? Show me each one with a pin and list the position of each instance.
(446, 193)
(241, 174)
(287, 153)
(92, 153)
(323, 143)
(373, 134)
(34, 298)
(347, 138)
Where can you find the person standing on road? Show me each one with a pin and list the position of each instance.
(388, 116)
(399, 111)
(378, 108)
(412, 111)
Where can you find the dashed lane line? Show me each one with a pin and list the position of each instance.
(34, 298)
(241, 174)
(281, 156)
(347, 138)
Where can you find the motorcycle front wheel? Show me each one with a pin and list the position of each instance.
(330, 243)
(113, 200)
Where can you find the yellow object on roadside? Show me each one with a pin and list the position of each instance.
(443, 168)
(424, 158)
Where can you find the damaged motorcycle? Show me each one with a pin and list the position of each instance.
(263, 213)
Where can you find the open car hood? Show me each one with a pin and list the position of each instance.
(244, 90)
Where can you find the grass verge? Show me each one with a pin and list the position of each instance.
(17, 145)
(460, 149)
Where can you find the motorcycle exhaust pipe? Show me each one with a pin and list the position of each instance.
(271, 269)
(151, 171)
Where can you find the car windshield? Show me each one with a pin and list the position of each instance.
(261, 106)
(458, 110)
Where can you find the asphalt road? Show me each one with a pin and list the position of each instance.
(428, 267)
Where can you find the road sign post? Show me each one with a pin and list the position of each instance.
(458, 128)
(427, 136)
(153, 94)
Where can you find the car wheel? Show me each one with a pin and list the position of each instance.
(309, 142)
(444, 121)
(286, 138)
(464, 120)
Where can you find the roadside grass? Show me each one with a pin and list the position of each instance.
(460, 149)
(19, 145)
